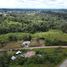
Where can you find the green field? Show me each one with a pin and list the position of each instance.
(52, 34)
(60, 52)
(34, 65)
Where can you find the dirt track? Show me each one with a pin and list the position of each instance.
(33, 48)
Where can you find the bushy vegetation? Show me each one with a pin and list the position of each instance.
(27, 37)
(42, 56)
(4, 60)
(32, 22)
(34, 25)
(52, 37)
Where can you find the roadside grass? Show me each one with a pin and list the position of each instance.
(35, 65)
(49, 51)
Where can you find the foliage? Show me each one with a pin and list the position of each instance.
(55, 42)
(52, 37)
(4, 60)
(27, 37)
(17, 22)
(43, 57)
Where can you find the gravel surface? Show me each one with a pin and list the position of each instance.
(64, 64)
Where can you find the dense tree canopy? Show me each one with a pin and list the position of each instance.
(32, 22)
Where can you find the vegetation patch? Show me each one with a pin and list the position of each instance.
(50, 38)
(46, 57)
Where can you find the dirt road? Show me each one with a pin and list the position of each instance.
(33, 48)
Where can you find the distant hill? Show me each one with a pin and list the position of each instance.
(33, 10)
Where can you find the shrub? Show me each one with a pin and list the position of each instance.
(55, 58)
(54, 42)
(4, 60)
(12, 38)
(20, 60)
(27, 37)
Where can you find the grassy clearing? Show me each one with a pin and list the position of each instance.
(53, 37)
(52, 34)
(12, 45)
(52, 54)
(49, 51)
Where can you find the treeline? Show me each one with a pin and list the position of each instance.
(32, 22)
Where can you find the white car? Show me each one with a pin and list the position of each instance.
(18, 52)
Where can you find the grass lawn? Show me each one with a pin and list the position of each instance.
(48, 50)
(35, 65)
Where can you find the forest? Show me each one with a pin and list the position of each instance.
(32, 22)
